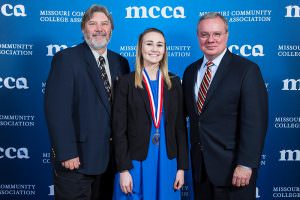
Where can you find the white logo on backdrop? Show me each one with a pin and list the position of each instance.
(46, 158)
(283, 192)
(263, 159)
(287, 122)
(257, 193)
(17, 120)
(173, 50)
(17, 189)
(291, 84)
(154, 12)
(289, 155)
(16, 49)
(288, 50)
(247, 50)
(54, 48)
(267, 86)
(292, 11)
(13, 10)
(13, 153)
(245, 16)
(14, 83)
(61, 16)
(51, 190)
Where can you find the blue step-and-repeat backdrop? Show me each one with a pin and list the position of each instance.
(266, 32)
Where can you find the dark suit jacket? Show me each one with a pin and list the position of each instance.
(233, 123)
(77, 109)
(132, 123)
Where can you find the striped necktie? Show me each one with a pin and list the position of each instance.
(105, 77)
(204, 86)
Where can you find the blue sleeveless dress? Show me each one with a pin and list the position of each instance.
(154, 177)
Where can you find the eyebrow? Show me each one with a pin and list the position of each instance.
(98, 21)
(210, 32)
(153, 41)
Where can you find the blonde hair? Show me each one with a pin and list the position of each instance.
(139, 61)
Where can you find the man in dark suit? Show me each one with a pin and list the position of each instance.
(78, 110)
(226, 102)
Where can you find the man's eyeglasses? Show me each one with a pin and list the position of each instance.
(215, 35)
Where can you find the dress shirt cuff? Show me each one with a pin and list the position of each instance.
(244, 167)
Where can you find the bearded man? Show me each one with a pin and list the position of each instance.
(78, 101)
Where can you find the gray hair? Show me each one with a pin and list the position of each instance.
(213, 15)
(93, 9)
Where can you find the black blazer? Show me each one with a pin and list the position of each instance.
(77, 109)
(232, 127)
(132, 123)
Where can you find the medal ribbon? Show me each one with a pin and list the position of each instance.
(156, 112)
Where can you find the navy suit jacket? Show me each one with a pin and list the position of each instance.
(233, 123)
(77, 108)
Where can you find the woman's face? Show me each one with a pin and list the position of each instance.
(153, 48)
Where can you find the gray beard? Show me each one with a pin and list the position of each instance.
(96, 45)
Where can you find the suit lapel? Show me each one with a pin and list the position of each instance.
(112, 65)
(221, 72)
(166, 102)
(94, 73)
(144, 95)
(195, 70)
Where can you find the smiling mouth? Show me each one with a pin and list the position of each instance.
(99, 35)
(153, 55)
(211, 47)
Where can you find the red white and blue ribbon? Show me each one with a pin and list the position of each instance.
(155, 111)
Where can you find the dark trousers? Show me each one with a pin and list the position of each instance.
(103, 187)
(73, 185)
(206, 190)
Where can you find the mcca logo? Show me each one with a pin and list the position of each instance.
(257, 193)
(291, 84)
(247, 50)
(11, 83)
(12, 153)
(51, 190)
(17, 10)
(290, 9)
(154, 12)
(54, 48)
(289, 155)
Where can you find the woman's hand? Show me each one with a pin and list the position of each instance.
(126, 182)
(179, 181)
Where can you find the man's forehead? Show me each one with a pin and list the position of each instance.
(98, 16)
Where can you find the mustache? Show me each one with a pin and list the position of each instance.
(99, 34)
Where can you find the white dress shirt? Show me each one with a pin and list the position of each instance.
(202, 69)
(96, 55)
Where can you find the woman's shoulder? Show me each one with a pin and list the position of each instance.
(174, 77)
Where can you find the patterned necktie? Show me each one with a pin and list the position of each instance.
(204, 86)
(105, 77)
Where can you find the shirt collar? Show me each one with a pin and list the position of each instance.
(217, 60)
(96, 54)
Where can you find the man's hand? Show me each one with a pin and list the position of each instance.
(71, 164)
(241, 176)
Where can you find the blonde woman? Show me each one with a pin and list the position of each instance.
(149, 129)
